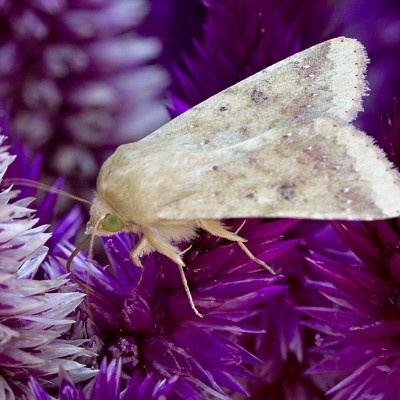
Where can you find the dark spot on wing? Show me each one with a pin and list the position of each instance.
(249, 196)
(223, 108)
(288, 191)
(258, 96)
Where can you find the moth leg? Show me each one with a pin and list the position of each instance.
(186, 250)
(187, 290)
(254, 258)
(240, 227)
(216, 228)
(161, 245)
(142, 248)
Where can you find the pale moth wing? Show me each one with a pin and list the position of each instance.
(317, 168)
(326, 79)
(278, 144)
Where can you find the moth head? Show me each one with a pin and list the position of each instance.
(103, 220)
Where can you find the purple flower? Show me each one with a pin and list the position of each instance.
(356, 339)
(34, 312)
(78, 79)
(152, 329)
(107, 387)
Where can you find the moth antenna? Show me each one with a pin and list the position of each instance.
(78, 248)
(42, 186)
(70, 259)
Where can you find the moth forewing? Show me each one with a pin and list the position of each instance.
(326, 79)
(277, 144)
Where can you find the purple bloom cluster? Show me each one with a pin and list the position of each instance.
(107, 386)
(79, 77)
(35, 313)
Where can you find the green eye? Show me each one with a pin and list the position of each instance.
(112, 223)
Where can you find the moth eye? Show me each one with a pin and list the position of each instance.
(112, 223)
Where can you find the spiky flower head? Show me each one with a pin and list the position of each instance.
(107, 386)
(34, 318)
(152, 329)
(78, 79)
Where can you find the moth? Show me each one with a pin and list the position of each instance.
(277, 144)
